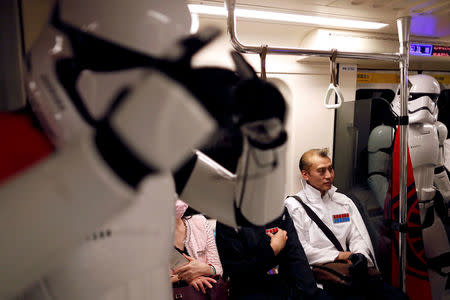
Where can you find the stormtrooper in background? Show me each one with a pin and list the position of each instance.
(444, 117)
(447, 157)
(426, 137)
(111, 84)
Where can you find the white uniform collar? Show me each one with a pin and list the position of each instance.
(314, 194)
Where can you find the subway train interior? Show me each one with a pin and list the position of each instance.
(345, 69)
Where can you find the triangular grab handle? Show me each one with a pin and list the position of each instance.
(338, 92)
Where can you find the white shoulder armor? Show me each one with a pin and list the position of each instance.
(447, 154)
(381, 137)
(442, 132)
(379, 147)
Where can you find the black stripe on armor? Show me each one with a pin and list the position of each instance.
(119, 158)
(419, 109)
(439, 170)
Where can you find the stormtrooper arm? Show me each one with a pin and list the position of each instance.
(442, 136)
(441, 180)
(379, 145)
(210, 189)
(254, 194)
(48, 210)
(442, 183)
(446, 154)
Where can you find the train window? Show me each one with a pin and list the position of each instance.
(354, 123)
(379, 109)
(371, 109)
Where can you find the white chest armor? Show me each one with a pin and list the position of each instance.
(125, 258)
(423, 144)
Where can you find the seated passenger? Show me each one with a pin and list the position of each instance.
(338, 213)
(264, 264)
(194, 238)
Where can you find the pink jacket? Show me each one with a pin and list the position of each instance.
(200, 242)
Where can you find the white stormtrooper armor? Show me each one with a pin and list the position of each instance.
(379, 148)
(231, 198)
(447, 154)
(425, 139)
(252, 194)
(441, 179)
(94, 220)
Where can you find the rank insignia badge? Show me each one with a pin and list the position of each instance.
(341, 218)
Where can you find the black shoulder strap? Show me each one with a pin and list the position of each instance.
(321, 225)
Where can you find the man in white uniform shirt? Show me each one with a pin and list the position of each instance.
(341, 216)
(336, 210)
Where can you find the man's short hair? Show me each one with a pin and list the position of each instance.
(305, 161)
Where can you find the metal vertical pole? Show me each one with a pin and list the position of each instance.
(403, 27)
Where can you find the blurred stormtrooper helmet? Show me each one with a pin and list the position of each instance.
(422, 102)
(91, 52)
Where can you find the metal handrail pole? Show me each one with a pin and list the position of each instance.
(403, 26)
(231, 28)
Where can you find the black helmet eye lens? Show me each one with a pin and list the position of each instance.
(414, 96)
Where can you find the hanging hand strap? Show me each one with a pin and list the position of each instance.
(319, 223)
(262, 56)
(333, 85)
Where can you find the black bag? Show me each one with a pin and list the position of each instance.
(188, 293)
(333, 275)
(219, 291)
(338, 275)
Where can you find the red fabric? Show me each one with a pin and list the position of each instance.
(22, 144)
(417, 282)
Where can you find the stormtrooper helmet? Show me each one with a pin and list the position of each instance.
(422, 102)
(92, 51)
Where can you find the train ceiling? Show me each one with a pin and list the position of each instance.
(430, 18)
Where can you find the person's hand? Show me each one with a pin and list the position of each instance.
(201, 283)
(359, 264)
(343, 255)
(278, 240)
(192, 270)
(174, 278)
